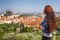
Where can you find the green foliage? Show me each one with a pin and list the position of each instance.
(22, 36)
(58, 37)
(22, 27)
(58, 24)
(7, 32)
(6, 28)
(29, 29)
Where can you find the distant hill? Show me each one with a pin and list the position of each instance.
(57, 12)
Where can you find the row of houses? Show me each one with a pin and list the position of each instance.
(30, 20)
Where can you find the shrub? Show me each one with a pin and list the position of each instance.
(58, 24)
(21, 36)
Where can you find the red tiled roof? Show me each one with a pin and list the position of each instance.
(26, 20)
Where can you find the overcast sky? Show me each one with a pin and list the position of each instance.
(28, 5)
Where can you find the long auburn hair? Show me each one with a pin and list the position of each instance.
(50, 17)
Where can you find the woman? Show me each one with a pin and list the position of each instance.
(48, 23)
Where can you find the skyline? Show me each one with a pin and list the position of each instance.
(28, 5)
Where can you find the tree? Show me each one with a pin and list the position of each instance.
(22, 27)
(58, 23)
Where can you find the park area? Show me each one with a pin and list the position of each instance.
(17, 31)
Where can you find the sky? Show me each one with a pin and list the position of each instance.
(28, 5)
